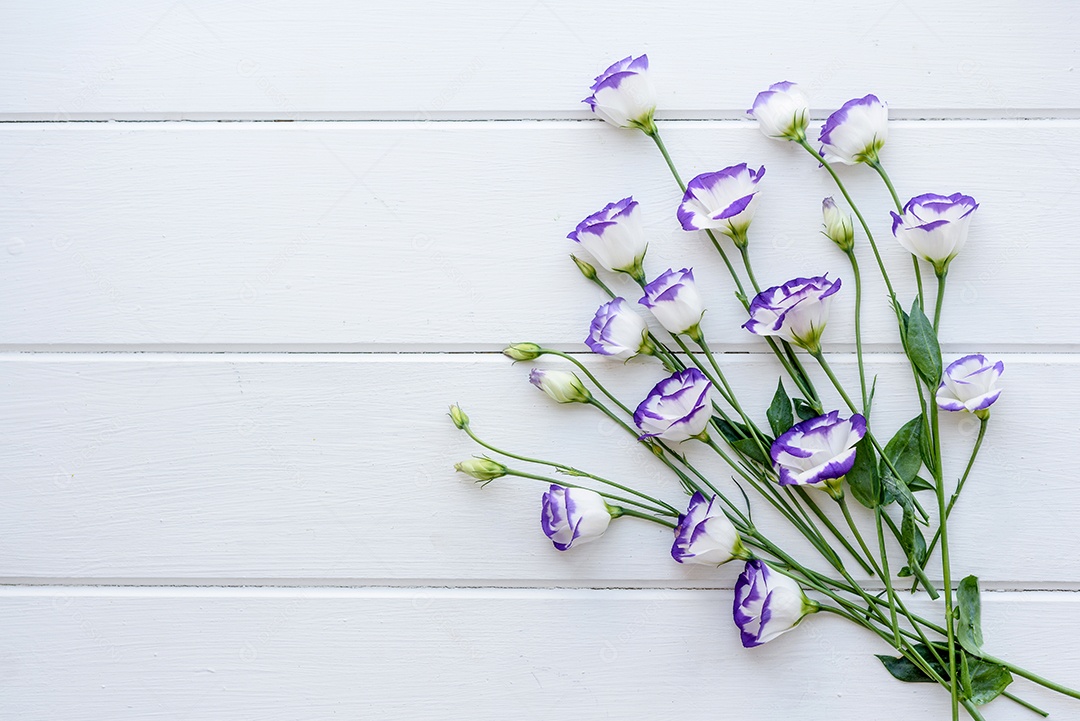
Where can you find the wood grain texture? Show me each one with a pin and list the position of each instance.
(451, 236)
(230, 654)
(339, 469)
(422, 59)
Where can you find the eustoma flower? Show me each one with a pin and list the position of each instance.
(839, 228)
(705, 535)
(970, 384)
(624, 96)
(677, 408)
(618, 331)
(767, 604)
(724, 201)
(935, 227)
(856, 132)
(573, 515)
(819, 450)
(796, 311)
(782, 111)
(615, 237)
(561, 386)
(674, 300)
(482, 469)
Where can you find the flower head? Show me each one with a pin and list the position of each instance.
(482, 469)
(674, 300)
(724, 200)
(624, 96)
(970, 384)
(561, 386)
(856, 132)
(767, 604)
(617, 331)
(459, 417)
(782, 111)
(573, 515)
(614, 236)
(839, 228)
(796, 311)
(817, 450)
(935, 227)
(677, 408)
(705, 535)
(523, 351)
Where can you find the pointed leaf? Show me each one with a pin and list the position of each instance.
(986, 681)
(919, 483)
(863, 477)
(804, 410)
(908, 671)
(895, 490)
(903, 450)
(780, 416)
(911, 538)
(969, 626)
(922, 345)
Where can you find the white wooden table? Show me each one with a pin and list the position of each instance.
(253, 251)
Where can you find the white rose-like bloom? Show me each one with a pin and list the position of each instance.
(782, 111)
(617, 331)
(796, 311)
(856, 132)
(705, 535)
(561, 386)
(573, 515)
(624, 96)
(614, 236)
(674, 300)
(767, 604)
(970, 384)
(935, 227)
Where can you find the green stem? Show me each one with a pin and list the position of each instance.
(619, 511)
(940, 297)
(858, 332)
(570, 470)
(590, 376)
(816, 510)
(560, 482)
(946, 566)
(745, 252)
(1025, 704)
(876, 165)
(882, 574)
(960, 485)
(667, 158)
(1030, 676)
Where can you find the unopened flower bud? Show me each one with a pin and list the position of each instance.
(523, 351)
(586, 269)
(561, 386)
(482, 469)
(839, 227)
(458, 416)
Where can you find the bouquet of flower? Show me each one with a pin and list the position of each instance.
(798, 443)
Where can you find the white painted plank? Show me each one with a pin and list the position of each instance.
(355, 236)
(487, 654)
(418, 58)
(339, 468)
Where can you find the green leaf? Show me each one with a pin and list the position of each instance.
(779, 413)
(804, 410)
(912, 541)
(908, 671)
(896, 490)
(985, 681)
(903, 450)
(863, 477)
(922, 345)
(919, 483)
(741, 439)
(969, 626)
(750, 448)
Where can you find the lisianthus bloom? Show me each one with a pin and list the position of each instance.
(573, 515)
(818, 450)
(839, 228)
(856, 132)
(677, 408)
(782, 111)
(970, 384)
(705, 535)
(674, 300)
(767, 604)
(724, 201)
(614, 236)
(796, 311)
(624, 96)
(561, 386)
(935, 227)
(617, 331)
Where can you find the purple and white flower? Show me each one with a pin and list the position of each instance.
(674, 300)
(705, 535)
(677, 408)
(839, 227)
(560, 386)
(796, 311)
(970, 384)
(614, 236)
(782, 111)
(724, 201)
(767, 604)
(818, 450)
(624, 96)
(618, 331)
(573, 516)
(935, 227)
(856, 132)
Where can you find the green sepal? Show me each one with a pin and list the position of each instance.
(863, 478)
(922, 345)
(779, 414)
